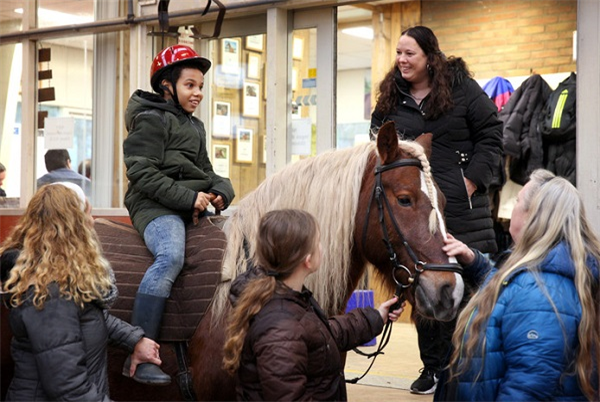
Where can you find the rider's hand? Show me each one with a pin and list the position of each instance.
(202, 201)
(384, 310)
(218, 202)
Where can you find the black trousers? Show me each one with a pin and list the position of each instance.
(435, 342)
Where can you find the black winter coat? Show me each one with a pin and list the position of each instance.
(467, 142)
(292, 351)
(60, 350)
(522, 141)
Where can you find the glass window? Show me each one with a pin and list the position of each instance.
(237, 125)
(354, 86)
(304, 94)
(10, 121)
(66, 12)
(65, 102)
(11, 16)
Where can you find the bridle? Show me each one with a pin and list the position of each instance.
(378, 194)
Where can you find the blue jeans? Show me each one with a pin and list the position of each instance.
(165, 238)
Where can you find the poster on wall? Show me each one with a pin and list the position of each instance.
(222, 120)
(251, 99)
(230, 56)
(254, 42)
(245, 139)
(301, 136)
(220, 159)
(253, 66)
(59, 132)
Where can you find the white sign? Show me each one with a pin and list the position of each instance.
(58, 132)
(301, 136)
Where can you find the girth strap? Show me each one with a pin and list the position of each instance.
(184, 376)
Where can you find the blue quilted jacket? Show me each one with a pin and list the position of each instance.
(529, 350)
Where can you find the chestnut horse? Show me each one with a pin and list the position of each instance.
(376, 204)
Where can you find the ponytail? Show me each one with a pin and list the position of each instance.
(256, 294)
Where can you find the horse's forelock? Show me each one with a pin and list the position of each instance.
(327, 186)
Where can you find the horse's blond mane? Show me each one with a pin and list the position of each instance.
(334, 179)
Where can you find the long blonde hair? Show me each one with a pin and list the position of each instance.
(285, 237)
(555, 214)
(57, 244)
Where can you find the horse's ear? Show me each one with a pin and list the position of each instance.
(387, 143)
(425, 141)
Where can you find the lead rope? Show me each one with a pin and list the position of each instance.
(385, 338)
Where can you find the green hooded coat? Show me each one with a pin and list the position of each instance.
(167, 162)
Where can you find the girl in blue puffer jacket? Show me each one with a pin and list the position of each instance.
(532, 331)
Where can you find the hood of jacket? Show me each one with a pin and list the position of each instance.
(142, 101)
(559, 261)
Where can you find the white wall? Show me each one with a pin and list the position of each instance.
(351, 95)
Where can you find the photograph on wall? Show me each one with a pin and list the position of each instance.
(253, 67)
(254, 42)
(230, 56)
(220, 160)
(245, 139)
(251, 99)
(222, 120)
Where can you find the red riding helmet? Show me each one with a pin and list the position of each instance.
(172, 55)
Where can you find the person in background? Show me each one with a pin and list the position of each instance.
(171, 180)
(58, 165)
(425, 92)
(2, 177)
(278, 341)
(532, 332)
(85, 168)
(59, 289)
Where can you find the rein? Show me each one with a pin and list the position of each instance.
(378, 194)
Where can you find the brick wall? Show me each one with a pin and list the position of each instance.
(505, 38)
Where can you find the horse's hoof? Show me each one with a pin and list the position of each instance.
(151, 374)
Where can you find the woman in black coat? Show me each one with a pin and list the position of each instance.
(425, 92)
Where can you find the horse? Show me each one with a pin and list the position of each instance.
(377, 205)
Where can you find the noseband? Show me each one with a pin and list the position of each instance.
(383, 203)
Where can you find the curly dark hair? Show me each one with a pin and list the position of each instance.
(444, 73)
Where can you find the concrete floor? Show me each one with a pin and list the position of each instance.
(392, 373)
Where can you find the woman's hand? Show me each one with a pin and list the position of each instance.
(471, 187)
(145, 351)
(386, 314)
(218, 202)
(456, 248)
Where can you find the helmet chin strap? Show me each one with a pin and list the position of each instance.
(171, 91)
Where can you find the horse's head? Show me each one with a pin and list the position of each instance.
(400, 228)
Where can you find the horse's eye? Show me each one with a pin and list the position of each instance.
(404, 201)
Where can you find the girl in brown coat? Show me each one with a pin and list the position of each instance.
(279, 342)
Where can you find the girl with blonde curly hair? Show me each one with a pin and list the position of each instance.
(59, 291)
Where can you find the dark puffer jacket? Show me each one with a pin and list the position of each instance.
(60, 350)
(522, 141)
(292, 350)
(467, 142)
(167, 162)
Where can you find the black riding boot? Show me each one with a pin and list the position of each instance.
(147, 313)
